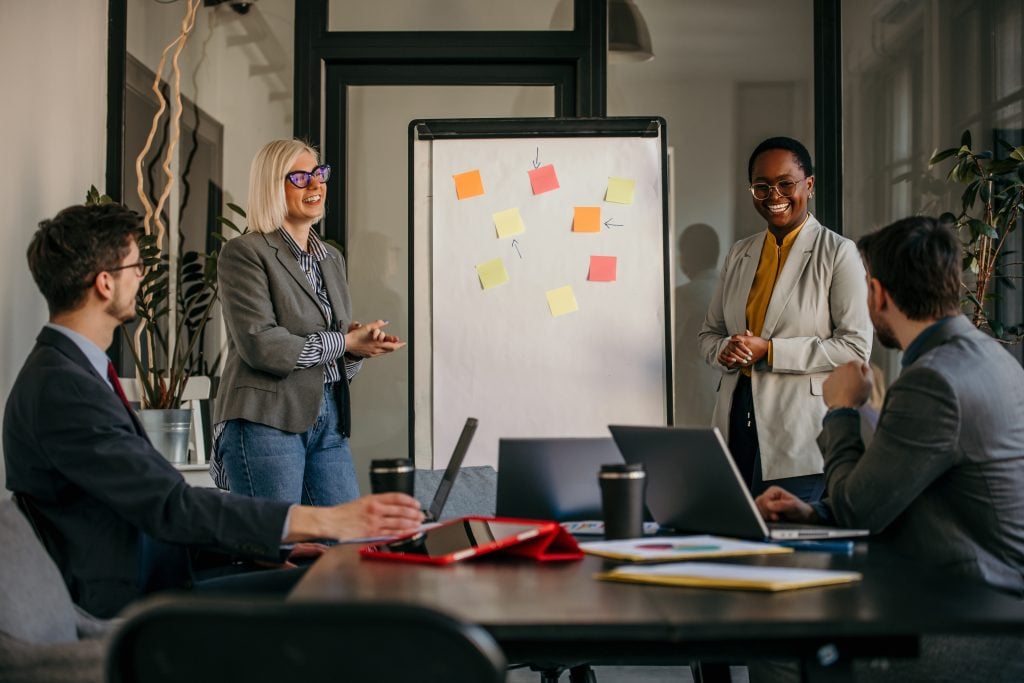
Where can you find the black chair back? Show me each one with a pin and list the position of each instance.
(218, 640)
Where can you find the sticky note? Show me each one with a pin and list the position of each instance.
(586, 219)
(543, 179)
(602, 268)
(620, 190)
(508, 223)
(561, 301)
(492, 273)
(468, 184)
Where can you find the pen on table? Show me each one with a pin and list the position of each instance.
(832, 546)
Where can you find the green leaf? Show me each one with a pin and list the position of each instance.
(965, 139)
(938, 156)
(226, 221)
(237, 209)
(1018, 153)
(997, 328)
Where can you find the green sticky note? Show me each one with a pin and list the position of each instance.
(620, 190)
(492, 273)
(508, 223)
(561, 301)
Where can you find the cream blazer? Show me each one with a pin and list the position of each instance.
(817, 319)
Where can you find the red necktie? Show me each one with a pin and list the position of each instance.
(112, 376)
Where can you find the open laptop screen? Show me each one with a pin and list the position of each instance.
(444, 487)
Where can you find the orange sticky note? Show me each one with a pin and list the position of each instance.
(586, 219)
(468, 184)
(543, 179)
(602, 268)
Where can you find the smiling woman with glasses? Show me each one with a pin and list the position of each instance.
(790, 305)
(282, 413)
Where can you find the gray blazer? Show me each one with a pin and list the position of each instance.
(817, 319)
(943, 476)
(269, 310)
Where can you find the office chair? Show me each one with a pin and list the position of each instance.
(217, 640)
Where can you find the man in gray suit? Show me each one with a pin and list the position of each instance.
(943, 479)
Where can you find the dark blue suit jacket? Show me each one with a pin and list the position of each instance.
(94, 486)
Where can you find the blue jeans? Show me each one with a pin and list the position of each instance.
(312, 467)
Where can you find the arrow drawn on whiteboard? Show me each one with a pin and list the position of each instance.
(536, 160)
(608, 224)
(515, 245)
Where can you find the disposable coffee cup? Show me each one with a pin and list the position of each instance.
(622, 500)
(394, 474)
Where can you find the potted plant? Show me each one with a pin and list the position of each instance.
(992, 204)
(167, 342)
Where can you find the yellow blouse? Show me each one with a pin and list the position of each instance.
(773, 258)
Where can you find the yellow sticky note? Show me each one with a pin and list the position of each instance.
(492, 273)
(508, 223)
(586, 219)
(468, 184)
(620, 190)
(561, 301)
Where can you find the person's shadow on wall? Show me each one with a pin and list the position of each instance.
(696, 383)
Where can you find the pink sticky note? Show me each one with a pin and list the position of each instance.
(468, 184)
(602, 268)
(543, 179)
(586, 219)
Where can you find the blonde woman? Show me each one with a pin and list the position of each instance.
(282, 409)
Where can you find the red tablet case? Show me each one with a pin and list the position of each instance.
(552, 543)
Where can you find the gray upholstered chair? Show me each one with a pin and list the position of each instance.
(43, 635)
(474, 491)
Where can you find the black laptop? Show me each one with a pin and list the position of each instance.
(444, 487)
(553, 478)
(693, 486)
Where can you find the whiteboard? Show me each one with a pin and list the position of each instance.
(524, 365)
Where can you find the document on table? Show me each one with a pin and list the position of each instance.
(729, 576)
(667, 548)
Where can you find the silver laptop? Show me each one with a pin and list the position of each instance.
(693, 485)
(444, 487)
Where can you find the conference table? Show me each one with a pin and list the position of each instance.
(550, 614)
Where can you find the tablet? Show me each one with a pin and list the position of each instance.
(458, 539)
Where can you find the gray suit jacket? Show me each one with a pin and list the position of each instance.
(269, 310)
(817, 319)
(943, 478)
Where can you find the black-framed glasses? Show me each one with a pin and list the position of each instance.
(300, 179)
(785, 188)
(139, 266)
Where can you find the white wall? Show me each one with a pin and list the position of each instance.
(53, 57)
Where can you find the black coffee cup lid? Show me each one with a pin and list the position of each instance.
(391, 465)
(622, 468)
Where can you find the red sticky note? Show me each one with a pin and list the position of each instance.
(586, 219)
(543, 179)
(468, 184)
(602, 268)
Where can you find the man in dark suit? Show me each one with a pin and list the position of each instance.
(942, 480)
(117, 518)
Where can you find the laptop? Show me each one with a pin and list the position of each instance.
(444, 487)
(552, 478)
(693, 486)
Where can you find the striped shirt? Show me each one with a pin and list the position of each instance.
(322, 348)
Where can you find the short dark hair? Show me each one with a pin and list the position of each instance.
(71, 249)
(803, 157)
(918, 260)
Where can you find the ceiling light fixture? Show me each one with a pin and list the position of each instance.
(628, 37)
